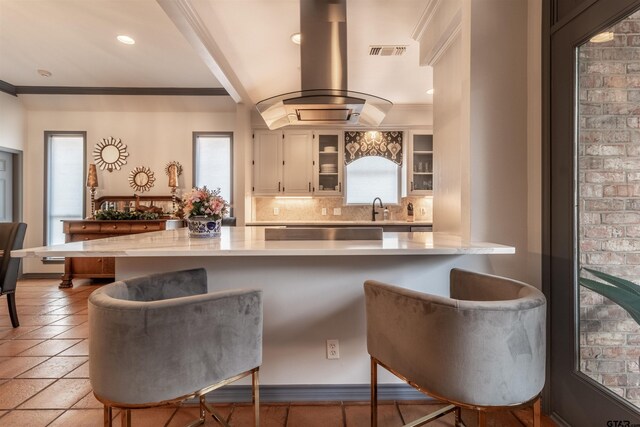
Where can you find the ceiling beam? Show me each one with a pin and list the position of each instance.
(185, 17)
(78, 90)
(7, 88)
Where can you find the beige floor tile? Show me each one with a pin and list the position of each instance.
(45, 332)
(152, 417)
(62, 394)
(411, 412)
(73, 319)
(48, 348)
(13, 366)
(360, 415)
(315, 415)
(80, 372)
(29, 418)
(80, 331)
(88, 402)
(14, 392)
(10, 333)
(83, 418)
(80, 349)
(15, 347)
(38, 320)
(270, 416)
(55, 367)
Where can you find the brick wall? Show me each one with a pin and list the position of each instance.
(609, 177)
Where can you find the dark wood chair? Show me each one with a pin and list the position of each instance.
(11, 238)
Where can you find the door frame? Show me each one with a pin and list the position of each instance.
(17, 177)
(570, 396)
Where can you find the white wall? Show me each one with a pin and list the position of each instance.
(153, 139)
(12, 122)
(498, 129)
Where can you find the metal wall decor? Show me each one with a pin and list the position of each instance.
(168, 168)
(141, 178)
(110, 154)
(387, 144)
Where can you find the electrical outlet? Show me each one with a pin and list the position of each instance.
(324, 211)
(333, 349)
(423, 211)
(337, 211)
(276, 211)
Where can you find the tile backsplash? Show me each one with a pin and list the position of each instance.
(299, 209)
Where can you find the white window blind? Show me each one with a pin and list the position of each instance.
(371, 177)
(65, 183)
(214, 163)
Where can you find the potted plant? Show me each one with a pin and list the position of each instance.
(204, 209)
(623, 292)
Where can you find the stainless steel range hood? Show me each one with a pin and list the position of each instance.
(324, 98)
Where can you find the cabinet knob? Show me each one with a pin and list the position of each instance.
(100, 260)
(115, 226)
(84, 226)
(145, 227)
(86, 238)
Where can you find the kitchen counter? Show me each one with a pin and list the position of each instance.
(249, 241)
(340, 223)
(312, 291)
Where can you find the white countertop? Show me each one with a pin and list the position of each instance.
(249, 241)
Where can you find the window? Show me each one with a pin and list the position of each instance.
(64, 182)
(213, 162)
(371, 177)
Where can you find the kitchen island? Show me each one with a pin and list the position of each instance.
(312, 291)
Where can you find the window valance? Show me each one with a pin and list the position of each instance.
(387, 144)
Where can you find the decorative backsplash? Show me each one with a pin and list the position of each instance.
(299, 209)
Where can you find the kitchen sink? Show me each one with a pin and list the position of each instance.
(342, 233)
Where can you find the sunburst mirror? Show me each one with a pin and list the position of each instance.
(110, 154)
(141, 179)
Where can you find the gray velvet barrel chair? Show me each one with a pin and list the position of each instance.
(162, 339)
(482, 349)
(11, 238)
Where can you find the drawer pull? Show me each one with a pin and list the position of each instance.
(115, 226)
(84, 226)
(145, 227)
(86, 238)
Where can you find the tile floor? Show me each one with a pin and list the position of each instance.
(44, 377)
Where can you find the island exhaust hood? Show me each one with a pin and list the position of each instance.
(323, 98)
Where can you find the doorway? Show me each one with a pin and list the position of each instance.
(592, 212)
(10, 185)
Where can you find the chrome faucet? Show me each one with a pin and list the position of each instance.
(373, 208)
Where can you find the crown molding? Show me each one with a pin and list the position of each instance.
(78, 90)
(425, 19)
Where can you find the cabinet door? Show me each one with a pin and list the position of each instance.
(267, 162)
(329, 163)
(298, 163)
(420, 167)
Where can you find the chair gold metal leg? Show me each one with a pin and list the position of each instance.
(255, 398)
(482, 419)
(107, 413)
(125, 417)
(374, 393)
(203, 410)
(536, 413)
(458, 419)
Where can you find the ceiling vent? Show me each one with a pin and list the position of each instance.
(386, 50)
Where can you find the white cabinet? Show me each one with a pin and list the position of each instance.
(282, 163)
(297, 171)
(328, 162)
(420, 164)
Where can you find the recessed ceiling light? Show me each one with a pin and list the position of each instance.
(430, 92)
(296, 37)
(607, 36)
(126, 39)
(44, 73)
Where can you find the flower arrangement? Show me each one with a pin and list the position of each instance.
(204, 202)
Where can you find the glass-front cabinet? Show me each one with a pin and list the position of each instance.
(420, 163)
(328, 162)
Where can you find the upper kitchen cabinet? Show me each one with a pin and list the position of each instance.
(420, 164)
(282, 163)
(328, 159)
